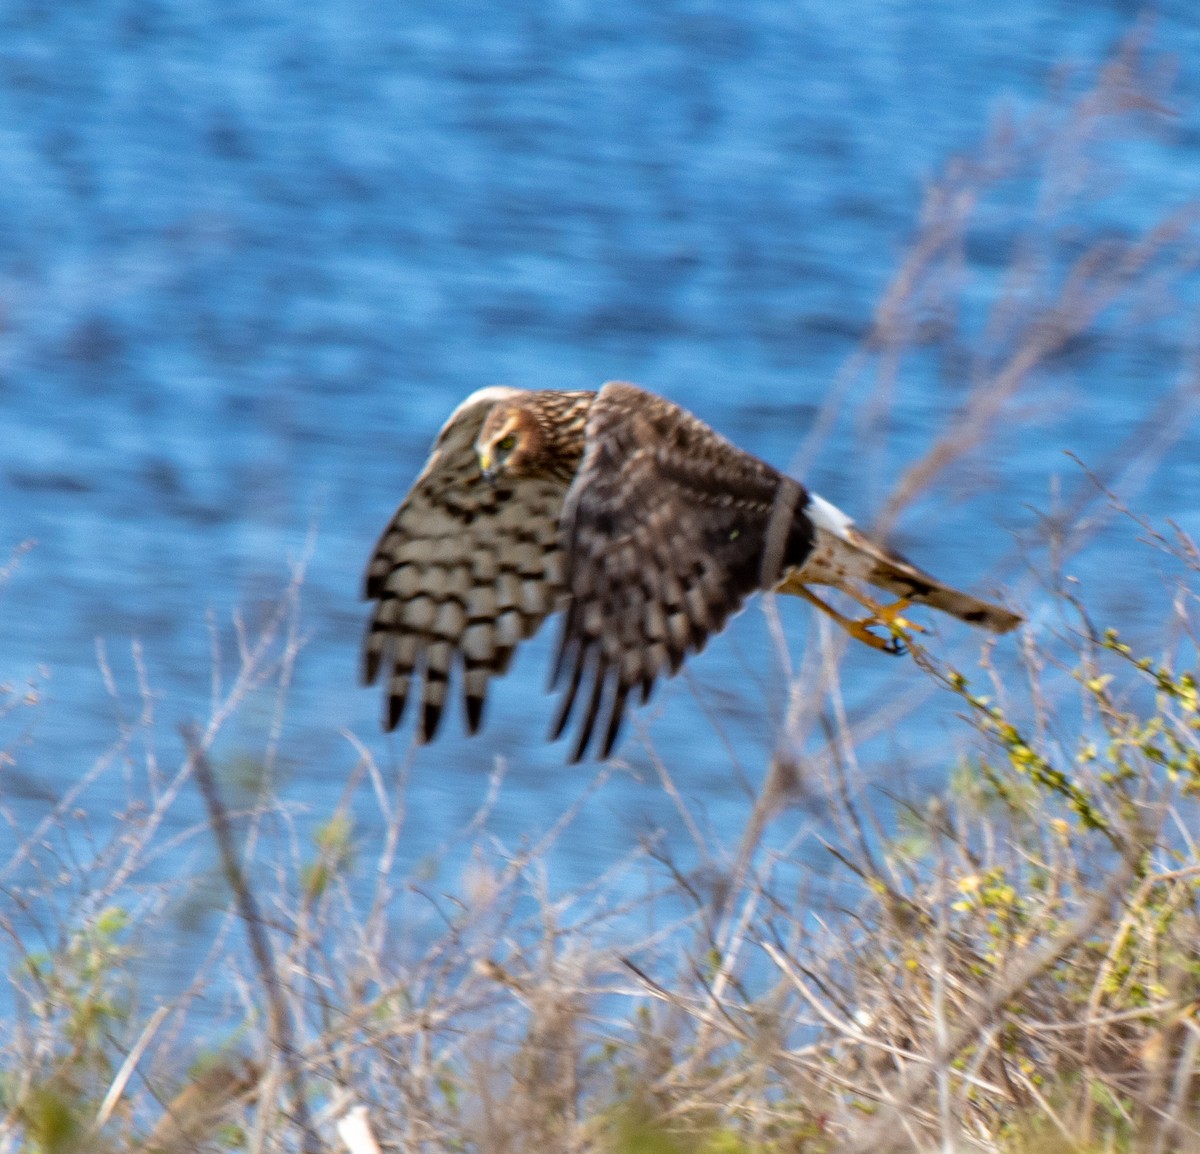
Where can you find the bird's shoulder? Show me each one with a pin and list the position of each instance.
(629, 425)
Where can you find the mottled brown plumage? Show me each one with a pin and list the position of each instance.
(466, 568)
(645, 525)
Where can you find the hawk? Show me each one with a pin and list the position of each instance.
(646, 527)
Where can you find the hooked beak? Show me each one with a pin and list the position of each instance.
(487, 466)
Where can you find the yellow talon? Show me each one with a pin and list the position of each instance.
(861, 631)
(888, 617)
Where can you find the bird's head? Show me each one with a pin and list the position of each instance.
(509, 442)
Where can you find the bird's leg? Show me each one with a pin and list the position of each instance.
(889, 616)
(861, 630)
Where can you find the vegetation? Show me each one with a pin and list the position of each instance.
(1009, 964)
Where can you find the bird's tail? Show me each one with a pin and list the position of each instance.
(842, 551)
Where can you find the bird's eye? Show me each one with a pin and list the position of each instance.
(507, 443)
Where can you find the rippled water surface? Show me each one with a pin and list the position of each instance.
(251, 255)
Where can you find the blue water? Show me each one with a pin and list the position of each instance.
(251, 255)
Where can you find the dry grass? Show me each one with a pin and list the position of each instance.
(1009, 965)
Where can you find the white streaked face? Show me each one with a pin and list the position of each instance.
(492, 395)
(498, 440)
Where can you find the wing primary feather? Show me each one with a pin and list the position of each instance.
(504, 656)
(615, 717)
(474, 704)
(395, 709)
(568, 703)
(439, 657)
(371, 659)
(566, 646)
(599, 681)
(431, 718)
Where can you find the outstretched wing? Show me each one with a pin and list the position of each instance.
(667, 528)
(463, 573)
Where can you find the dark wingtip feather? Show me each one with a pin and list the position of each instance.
(568, 704)
(565, 650)
(395, 710)
(615, 717)
(370, 665)
(431, 718)
(600, 680)
(561, 718)
(474, 713)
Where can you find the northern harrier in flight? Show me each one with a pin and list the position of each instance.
(634, 517)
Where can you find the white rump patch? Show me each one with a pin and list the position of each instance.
(840, 553)
(828, 517)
